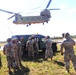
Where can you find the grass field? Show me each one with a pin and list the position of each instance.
(39, 66)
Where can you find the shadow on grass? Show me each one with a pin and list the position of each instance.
(59, 63)
(40, 58)
(21, 71)
(72, 73)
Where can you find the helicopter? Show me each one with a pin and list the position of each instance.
(44, 16)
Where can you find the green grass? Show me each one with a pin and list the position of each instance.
(39, 66)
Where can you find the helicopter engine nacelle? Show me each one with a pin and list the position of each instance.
(45, 12)
(18, 19)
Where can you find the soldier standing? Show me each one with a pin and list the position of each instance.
(48, 52)
(23, 44)
(19, 51)
(35, 46)
(7, 51)
(15, 54)
(69, 53)
(29, 47)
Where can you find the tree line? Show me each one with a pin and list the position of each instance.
(56, 37)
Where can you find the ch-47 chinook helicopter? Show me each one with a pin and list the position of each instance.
(44, 16)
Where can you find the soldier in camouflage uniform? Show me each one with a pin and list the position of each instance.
(15, 53)
(23, 45)
(69, 51)
(35, 46)
(7, 51)
(19, 51)
(48, 52)
(29, 47)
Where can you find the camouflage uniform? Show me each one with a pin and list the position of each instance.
(29, 46)
(23, 44)
(7, 51)
(19, 51)
(69, 51)
(48, 52)
(15, 54)
(36, 46)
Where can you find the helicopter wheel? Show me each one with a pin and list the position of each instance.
(47, 22)
(43, 23)
(27, 25)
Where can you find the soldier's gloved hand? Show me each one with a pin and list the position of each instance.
(61, 53)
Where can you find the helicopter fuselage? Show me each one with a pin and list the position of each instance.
(42, 18)
(31, 20)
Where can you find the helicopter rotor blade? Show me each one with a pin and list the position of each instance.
(48, 4)
(7, 11)
(32, 10)
(35, 8)
(10, 17)
(54, 9)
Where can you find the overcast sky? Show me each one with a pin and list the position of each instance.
(61, 21)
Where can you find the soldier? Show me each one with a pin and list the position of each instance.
(35, 46)
(29, 47)
(19, 51)
(7, 51)
(23, 44)
(15, 54)
(48, 52)
(69, 53)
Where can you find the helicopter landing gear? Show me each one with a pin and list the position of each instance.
(43, 23)
(27, 25)
(47, 22)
